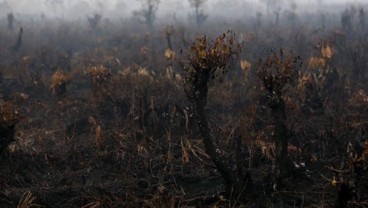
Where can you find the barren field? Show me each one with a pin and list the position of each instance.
(268, 112)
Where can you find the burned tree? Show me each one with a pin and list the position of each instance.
(277, 72)
(347, 21)
(200, 17)
(147, 14)
(10, 21)
(273, 6)
(94, 21)
(18, 44)
(201, 63)
(362, 18)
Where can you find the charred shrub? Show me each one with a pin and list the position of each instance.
(8, 120)
(203, 59)
(278, 71)
(59, 82)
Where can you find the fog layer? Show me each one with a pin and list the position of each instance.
(116, 9)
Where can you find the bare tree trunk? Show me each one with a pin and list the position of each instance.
(281, 140)
(199, 103)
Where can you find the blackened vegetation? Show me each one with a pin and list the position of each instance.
(10, 19)
(203, 59)
(103, 125)
(278, 72)
(344, 195)
(9, 119)
(18, 43)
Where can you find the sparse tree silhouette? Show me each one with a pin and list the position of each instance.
(18, 44)
(10, 21)
(273, 6)
(147, 14)
(94, 21)
(347, 21)
(56, 5)
(200, 17)
(362, 18)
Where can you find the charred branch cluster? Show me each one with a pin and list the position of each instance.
(278, 72)
(201, 62)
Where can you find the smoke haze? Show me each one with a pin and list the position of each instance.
(116, 9)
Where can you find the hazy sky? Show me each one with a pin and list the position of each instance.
(111, 8)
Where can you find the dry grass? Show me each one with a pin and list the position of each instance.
(59, 81)
(27, 201)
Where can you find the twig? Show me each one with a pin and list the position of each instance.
(336, 170)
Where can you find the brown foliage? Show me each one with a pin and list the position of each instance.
(59, 81)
